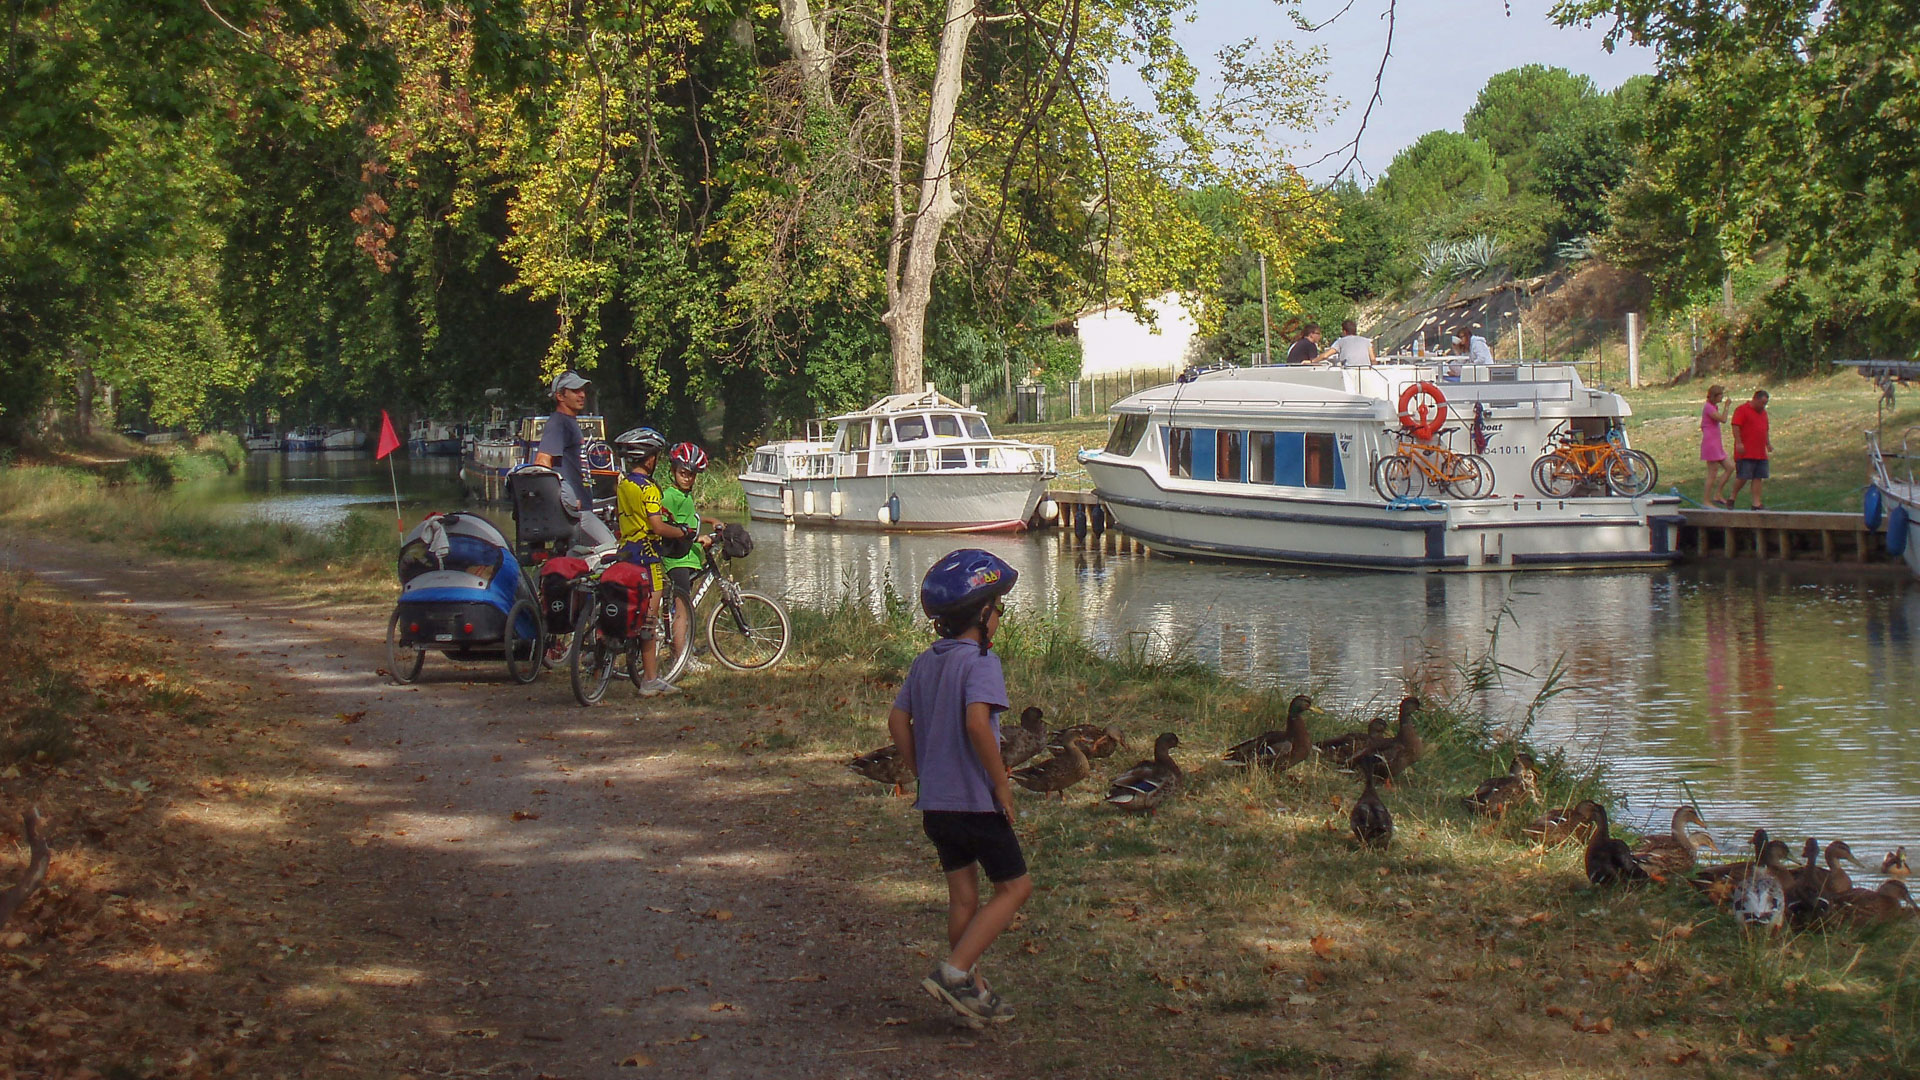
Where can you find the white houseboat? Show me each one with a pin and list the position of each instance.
(346, 438)
(306, 440)
(1277, 464)
(433, 438)
(910, 463)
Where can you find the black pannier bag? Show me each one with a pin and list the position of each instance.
(621, 599)
(735, 543)
(557, 579)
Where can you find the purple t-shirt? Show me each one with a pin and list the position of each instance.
(942, 682)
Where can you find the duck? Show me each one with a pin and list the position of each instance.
(884, 766)
(1888, 903)
(1340, 749)
(1676, 852)
(1018, 745)
(1609, 861)
(1097, 742)
(1149, 783)
(1278, 749)
(1559, 825)
(1805, 887)
(1830, 880)
(1498, 794)
(1396, 755)
(1371, 820)
(1057, 773)
(1895, 864)
(1760, 899)
(1723, 877)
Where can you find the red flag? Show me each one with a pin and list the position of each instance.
(389, 442)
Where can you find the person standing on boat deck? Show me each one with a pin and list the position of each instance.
(1474, 346)
(1751, 448)
(1713, 450)
(564, 450)
(1351, 349)
(1306, 348)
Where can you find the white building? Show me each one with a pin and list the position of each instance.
(1112, 341)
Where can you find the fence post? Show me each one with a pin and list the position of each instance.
(966, 394)
(1073, 399)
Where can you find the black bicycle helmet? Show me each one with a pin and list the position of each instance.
(689, 456)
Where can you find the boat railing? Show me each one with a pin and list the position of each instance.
(995, 457)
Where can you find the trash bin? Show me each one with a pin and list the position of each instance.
(1029, 403)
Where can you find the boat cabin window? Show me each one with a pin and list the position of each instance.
(977, 427)
(1180, 452)
(1125, 436)
(1229, 450)
(953, 459)
(1319, 459)
(946, 425)
(909, 428)
(856, 433)
(883, 433)
(1260, 457)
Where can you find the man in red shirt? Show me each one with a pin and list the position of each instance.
(1750, 447)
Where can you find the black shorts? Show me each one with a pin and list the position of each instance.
(682, 579)
(963, 839)
(1750, 469)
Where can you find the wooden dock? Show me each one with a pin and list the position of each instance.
(1704, 534)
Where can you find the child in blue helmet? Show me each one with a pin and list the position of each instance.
(945, 721)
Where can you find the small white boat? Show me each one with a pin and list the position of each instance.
(435, 438)
(909, 462)
(266, 440)
(307, 440)
(344, 439)
(1277, 464)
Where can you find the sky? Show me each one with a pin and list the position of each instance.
(1443, 52)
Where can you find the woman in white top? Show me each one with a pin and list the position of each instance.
(1352, 350)
(1473, 345)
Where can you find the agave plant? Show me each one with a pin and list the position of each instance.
(1438, 259)
(1476, 254)
(1575, 250)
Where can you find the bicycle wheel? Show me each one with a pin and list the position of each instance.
(592, 658)
(403, 667)
(1555, 476)
(524, 654)
(1631, 473)
(748, 632)
(673, 661)
(1395, 477)
(1472, 477)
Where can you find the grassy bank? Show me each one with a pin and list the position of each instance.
(1240, 932)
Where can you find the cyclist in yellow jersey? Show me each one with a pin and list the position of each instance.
(643, 521)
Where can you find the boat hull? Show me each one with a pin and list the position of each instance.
(263, 443)
(1451, 535)
(345, 439)
(963, 502)
(434, 447)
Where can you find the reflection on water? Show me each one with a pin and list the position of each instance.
(1776, 697)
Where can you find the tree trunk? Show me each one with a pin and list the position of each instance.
(809, 50)
(83, 400)
(907, 297)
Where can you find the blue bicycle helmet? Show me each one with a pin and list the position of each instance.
(964, 580)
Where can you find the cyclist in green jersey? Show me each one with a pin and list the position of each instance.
(687, 462)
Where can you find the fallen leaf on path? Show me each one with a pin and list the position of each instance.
(1780, 1044)
(479, 1033)
(525, 815)
(661, 910)
(717, 914)
(635, 1061)
(1322, 945)
(658, 990)
(723, 1006)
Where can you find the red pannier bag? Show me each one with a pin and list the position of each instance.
(557, 579)
(621, 599)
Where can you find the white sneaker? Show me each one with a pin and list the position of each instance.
(656, 687)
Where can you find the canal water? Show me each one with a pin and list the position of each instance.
(1775, 696)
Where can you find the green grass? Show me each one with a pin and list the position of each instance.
(1818, 424)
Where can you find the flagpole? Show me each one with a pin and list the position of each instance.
(398, 522)
(390, 442)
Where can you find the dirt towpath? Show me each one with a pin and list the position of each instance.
(578, 888)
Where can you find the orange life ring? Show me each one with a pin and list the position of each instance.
(1432, 413)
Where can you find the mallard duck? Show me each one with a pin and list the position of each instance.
(884, 766)
(1676, 852)
(1499, 794)
(1057, 773)
(1609, 861)
(1395, 756)
(1278, 749)
(1559, 825)
(1895, 864)
(1341, 749)
(1371, 820)
(1018, 745)
(1149, 783)
(1097, 741)
(1722, 878)
(1830, 880)
(1888, 903)
(1805, 887)
(1760, 899)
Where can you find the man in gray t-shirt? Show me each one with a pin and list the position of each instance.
(563, 450)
